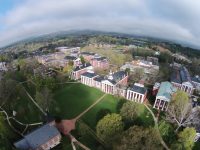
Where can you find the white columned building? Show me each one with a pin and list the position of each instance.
(164, 96)
(137, 93)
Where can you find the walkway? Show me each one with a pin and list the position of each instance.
(156, 127)
(23, 124)
(90, 107)
(36, 104)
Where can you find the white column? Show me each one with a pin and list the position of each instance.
(163, 105)
(128, 97)
(155, 103)
(159, 104)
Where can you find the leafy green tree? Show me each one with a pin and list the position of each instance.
(138, 138)
(44, 98)
(42, 82)
(8, 91)
(185, 139)
(82, 60)
(83, 129)
(101, 113)
(166, 131)
(136, 75)
(68, 68)
(131, 110)
(109, 126)
(180, 111)
(4, 142)
(127, 70)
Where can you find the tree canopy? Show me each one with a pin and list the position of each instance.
(131, 110)
(109, 126)
(180, 110)
(185, 139)
(44, 98)
(138, 138)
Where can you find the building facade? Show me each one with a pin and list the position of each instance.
(181, 79)
(79, 70)
(88, 56)
(76, 60)
(100, 63)
(164, 96)
(87, 78)
(196, 82)
(109, 84)
(137, 93)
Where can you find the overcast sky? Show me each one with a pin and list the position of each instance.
(176, 20)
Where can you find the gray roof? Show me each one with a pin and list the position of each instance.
(99, 78)
(138, 89)
(101, 58)
(82, 66)
(88, 53)
(196, 79)
(89, 74)
(185, 76)
(117, 76)
(70, 57)
(180, 75)
(38, 137)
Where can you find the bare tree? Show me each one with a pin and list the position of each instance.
(180, 111)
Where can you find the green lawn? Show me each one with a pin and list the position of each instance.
(72, 99)
(109, 102)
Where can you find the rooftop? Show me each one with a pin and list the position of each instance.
(70, 57)
(89, 74)
(38, 137)
(99, 78)
(138, 89)
(180, 75)
(82, 66)
(166, 90)
(196, 79)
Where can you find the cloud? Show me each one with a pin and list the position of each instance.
(175, 20)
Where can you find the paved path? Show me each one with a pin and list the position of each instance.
(36, 104)
(90, 107)
(12, 127)
(156, 127)
(75, 141)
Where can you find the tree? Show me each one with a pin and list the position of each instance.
(101, 113)
(138, 138)
(44, 98)
(109, 126)
(4, 143)
(180, 111)
(83, 129)
(41, 82)
(131, 110)
(166, 131)
(68, 68)
(136, 75)
(128, 70)
(185, 139)
(82, 60)
(8, 90)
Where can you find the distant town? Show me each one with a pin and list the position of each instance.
(100, 93)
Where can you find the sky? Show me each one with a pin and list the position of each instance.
(175, 20)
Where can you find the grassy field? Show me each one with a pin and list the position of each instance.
(72, 99)
(75, 98)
